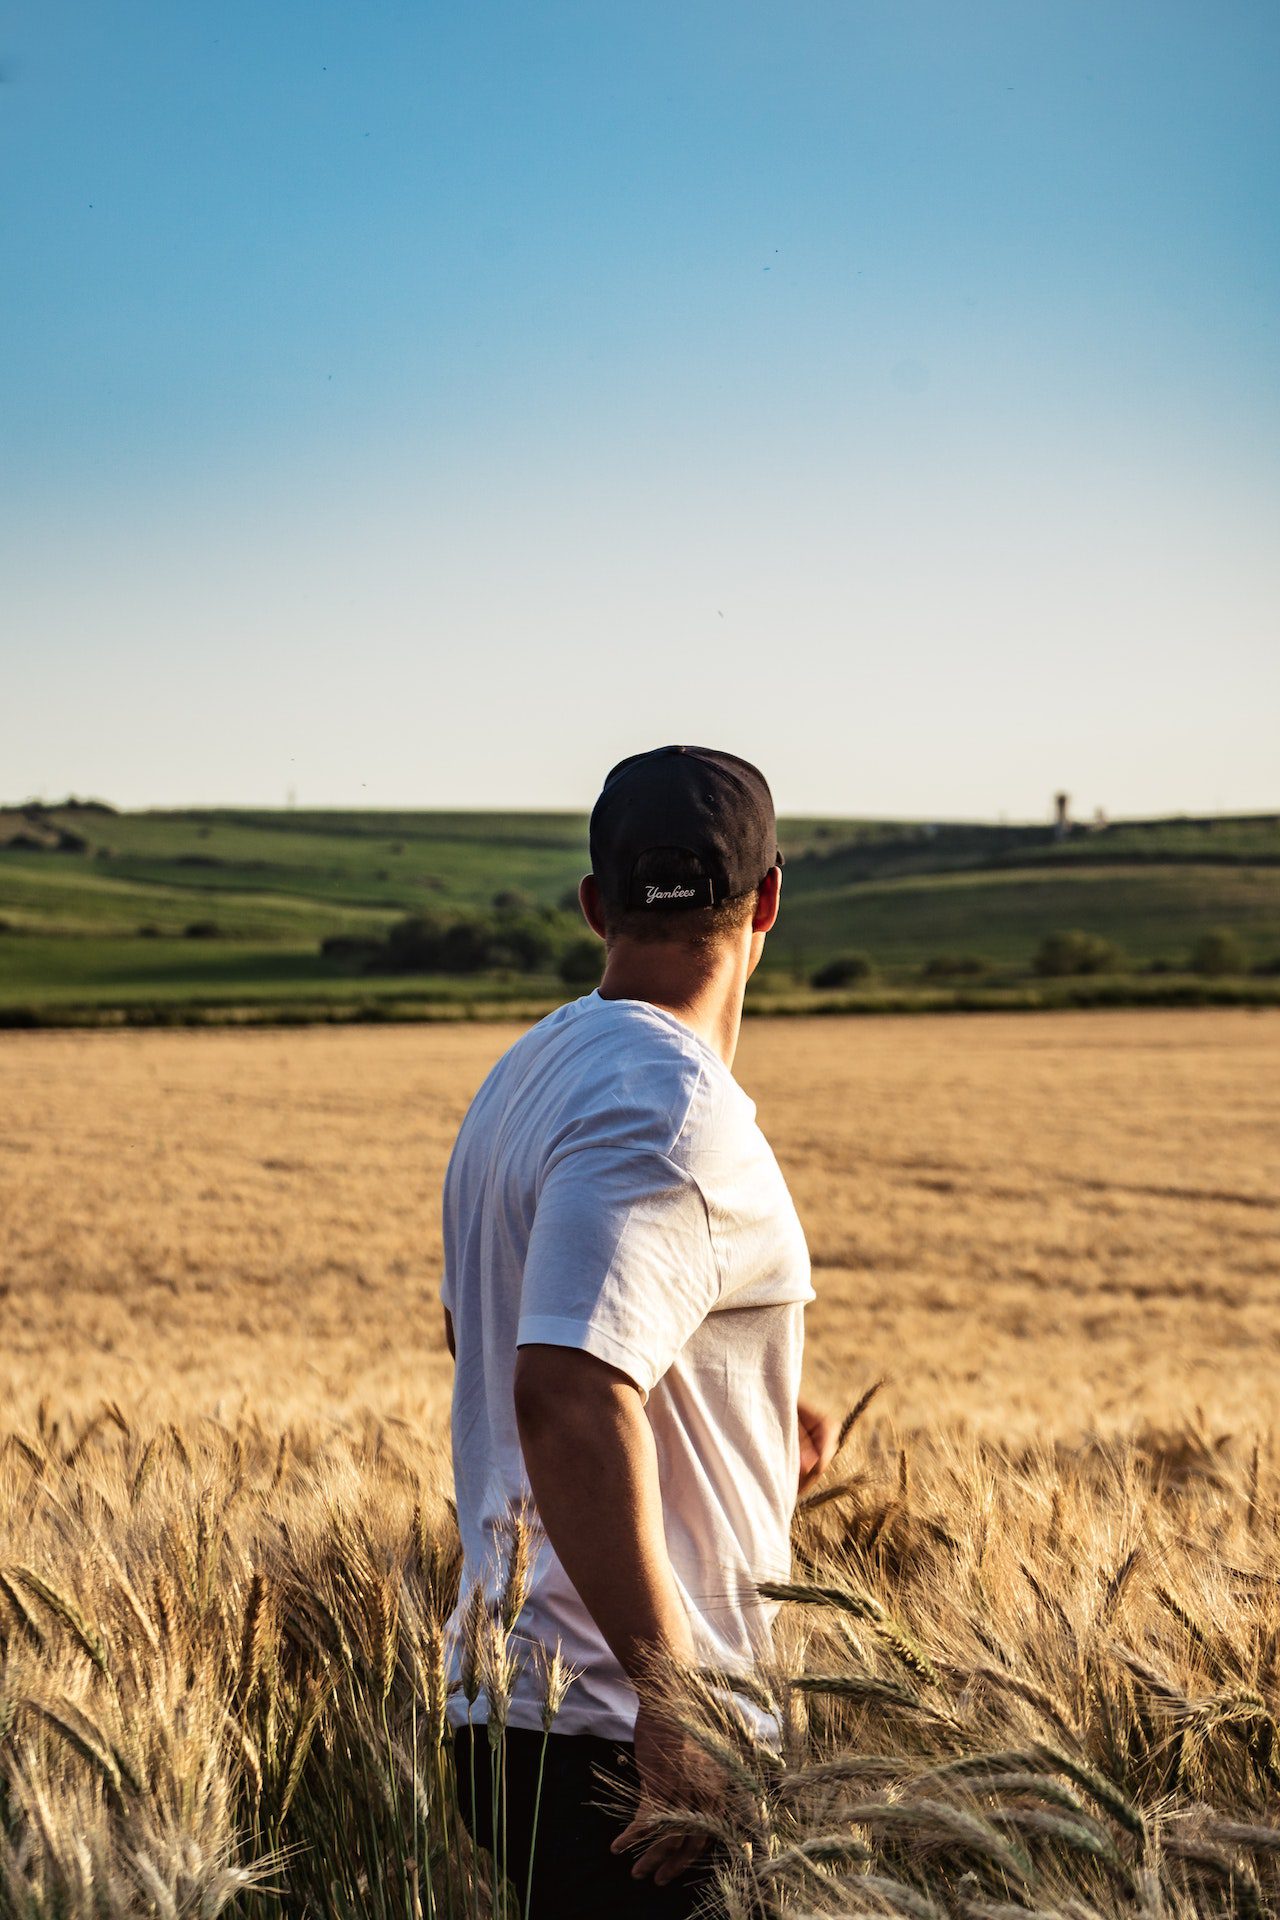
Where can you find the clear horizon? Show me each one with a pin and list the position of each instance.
(55, 802)
(423, 408)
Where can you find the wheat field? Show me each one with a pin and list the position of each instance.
(1029, 1223)
(1029, 1662)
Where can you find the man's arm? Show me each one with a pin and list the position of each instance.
(589, 1453)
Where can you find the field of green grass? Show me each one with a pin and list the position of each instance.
(226, 909)
(1153, 911)
(82, 973)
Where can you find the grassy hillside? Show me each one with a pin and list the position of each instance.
(1152, 912)
(222, 908)
(259, 871)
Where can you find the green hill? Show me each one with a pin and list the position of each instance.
(160, 912)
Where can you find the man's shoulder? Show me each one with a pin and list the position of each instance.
(621, 1071)
(641, 1065)
(664, 1072)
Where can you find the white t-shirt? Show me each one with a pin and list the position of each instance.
(610, 1190)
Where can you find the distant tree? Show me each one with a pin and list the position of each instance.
(468, 946)
(581, 963)
(844, 971)
(1219, 952)
(512, 900)
(202, 930)
(148, 931)
(359, 948)
(461, 943)
(525, 941)
(1072, 952)
(953, 966)
(416, 944)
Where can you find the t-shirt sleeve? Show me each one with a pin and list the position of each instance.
(620, 1261)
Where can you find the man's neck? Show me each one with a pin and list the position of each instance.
(702, 989)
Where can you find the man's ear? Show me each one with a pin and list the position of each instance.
(769, 901)
(589, 901)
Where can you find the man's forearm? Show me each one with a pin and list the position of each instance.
(590, 1457)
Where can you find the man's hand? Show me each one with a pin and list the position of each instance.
(819, 1438)
(674, 1774)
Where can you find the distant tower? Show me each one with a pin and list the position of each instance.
(1061, 815)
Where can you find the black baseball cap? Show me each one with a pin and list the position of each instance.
(712, 809)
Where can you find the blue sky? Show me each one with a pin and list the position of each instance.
(422, 404)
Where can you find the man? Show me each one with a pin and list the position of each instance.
(624, 1290)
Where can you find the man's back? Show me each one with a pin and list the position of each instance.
(610, 1191)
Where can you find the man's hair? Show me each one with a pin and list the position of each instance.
(690, 926)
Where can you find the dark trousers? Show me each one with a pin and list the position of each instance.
(575, 1877)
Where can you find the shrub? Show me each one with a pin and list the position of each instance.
(580, 963)
(953, 966)
(844, 970)
(468, 943)
(202, 930)
(511, 941)
(357, 947)
(467, 946)
(416, 944)
(1218, 952)
(1268, 969)
(522, 940)
(148, 931)
(1060, 954)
